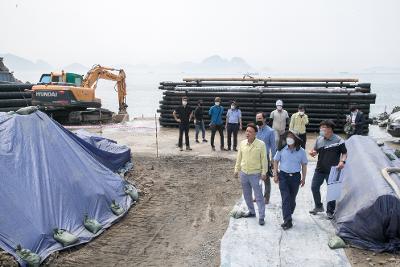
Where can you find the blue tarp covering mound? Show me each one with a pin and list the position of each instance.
(368, 211)
(49, 180)
(106, 151)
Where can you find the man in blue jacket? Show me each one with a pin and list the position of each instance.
(267, 135)
(216, 123)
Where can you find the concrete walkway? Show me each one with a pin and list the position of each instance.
(246, 243)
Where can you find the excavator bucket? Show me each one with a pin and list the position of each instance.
(120, 117)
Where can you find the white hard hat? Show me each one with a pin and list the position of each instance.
(279, 103)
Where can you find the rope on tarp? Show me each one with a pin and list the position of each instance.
(386, 174)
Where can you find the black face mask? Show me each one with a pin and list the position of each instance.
(259, 123)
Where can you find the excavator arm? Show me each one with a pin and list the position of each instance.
(99, 72)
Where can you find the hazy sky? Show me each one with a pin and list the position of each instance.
(298, 35)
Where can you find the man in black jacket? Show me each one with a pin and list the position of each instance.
(183, 115)
(357, 121)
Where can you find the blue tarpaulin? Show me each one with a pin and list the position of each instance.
(106, 151)
(49, 180)
(368, 210)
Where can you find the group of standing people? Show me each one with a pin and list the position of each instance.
(183, 114)
(277, 152)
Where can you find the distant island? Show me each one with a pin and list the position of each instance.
(214, 64)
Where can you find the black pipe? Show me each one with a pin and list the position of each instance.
(14, 103)
(15, 87)
(15, 95)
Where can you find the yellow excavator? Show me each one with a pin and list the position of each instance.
(70, 98)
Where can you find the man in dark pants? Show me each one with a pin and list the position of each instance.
(292, 160)
(184, 117)
(331, 151)
(298, 124)
(216, 123)
(233, 124)
(357, 121)
(267, 135)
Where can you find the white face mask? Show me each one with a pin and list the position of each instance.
(301, 112)
(233, 107)
(184, 103)
(289, 141)
(279, 107)
(217, 103)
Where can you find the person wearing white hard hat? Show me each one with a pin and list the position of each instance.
(280, 119)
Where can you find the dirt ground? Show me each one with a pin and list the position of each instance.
(179, 221)
(364, 258)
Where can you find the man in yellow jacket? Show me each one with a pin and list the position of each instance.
(251, 164)
(298, 123)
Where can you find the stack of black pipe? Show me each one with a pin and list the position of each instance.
(322, 100)
(13, 96)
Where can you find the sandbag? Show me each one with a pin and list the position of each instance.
(26, 110)
(336, 242)
(131, 191)
(65, 238)
(116, 208)
(237, 212)
(92, 225)
(32, 259)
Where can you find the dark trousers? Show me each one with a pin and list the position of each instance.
(233, 128)
(303, 137)
(317, 181)
(183, 128)
(267, 193)
(289, 187)
(220, 129)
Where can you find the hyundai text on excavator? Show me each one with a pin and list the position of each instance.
(70, 98)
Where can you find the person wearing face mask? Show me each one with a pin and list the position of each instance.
(267, 135)
(251, 166)
(298, 123)
(291, 160)
(216, 123)
(233, 124)
(183, 115)
(331, 151)
(280, 119)
(357, 121)
(199, 122)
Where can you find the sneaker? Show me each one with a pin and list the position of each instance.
(261, 222)
(287, 225)
(205, 141)
(229, 149)
(316, 210)
(329, 215)
(235, 149)
(213, 148)
(197, 141)
(180, 149)
(188, 148)
(249, 215)
(223, 149)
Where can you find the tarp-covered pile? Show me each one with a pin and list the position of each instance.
(50, 180)
(368, 211)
